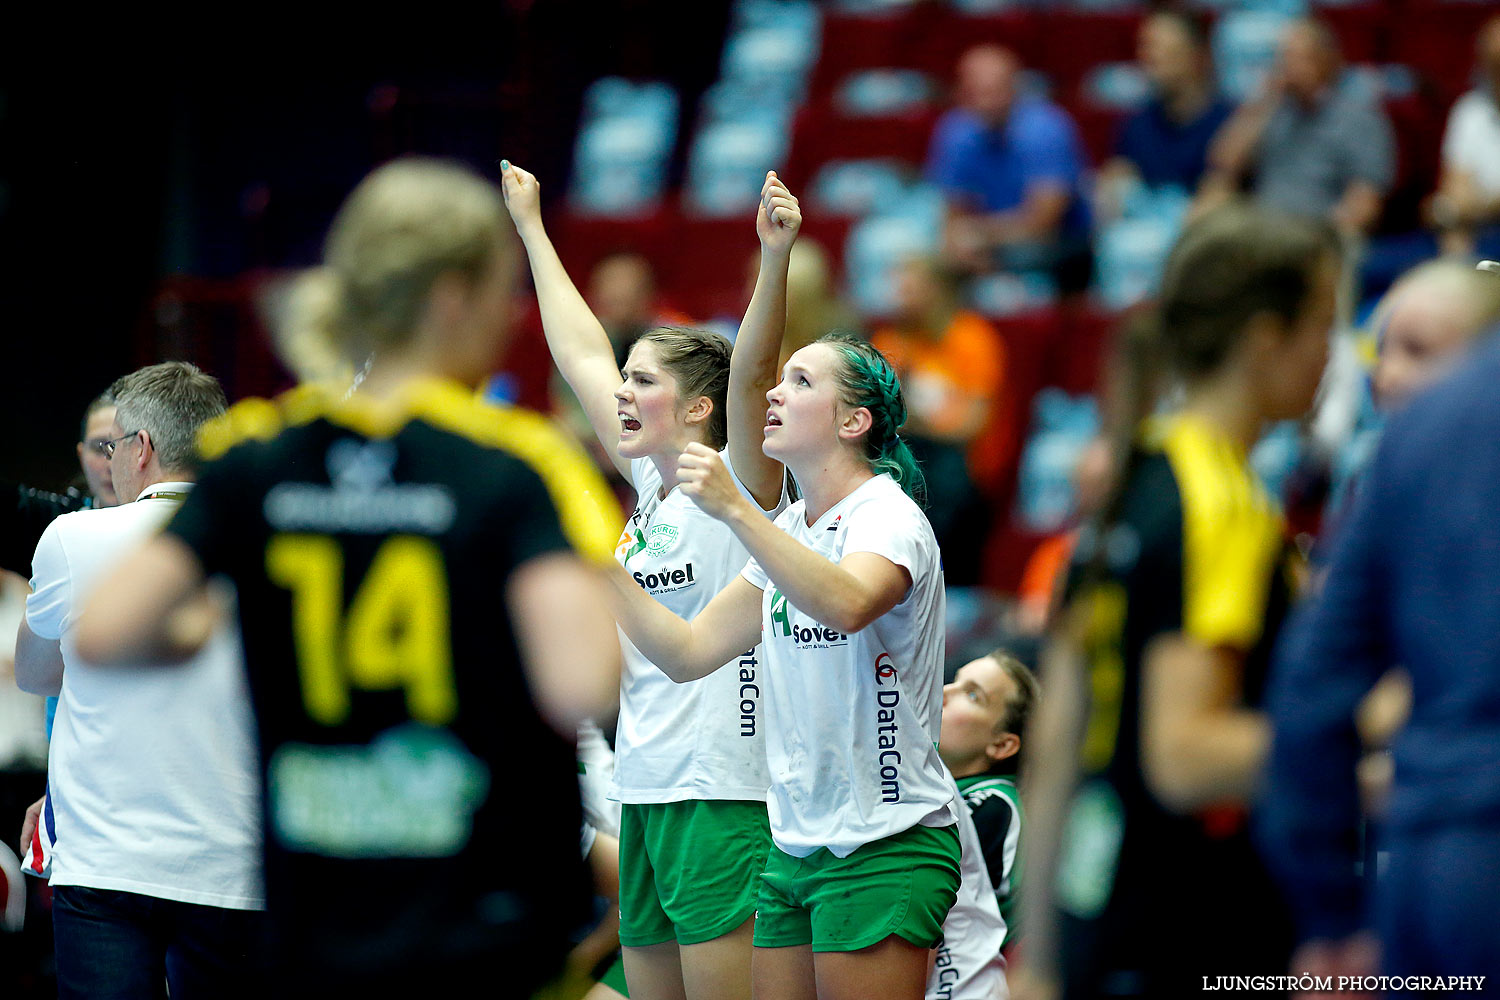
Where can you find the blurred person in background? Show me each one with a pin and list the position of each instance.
(23, 526)
(1150, 746)
(33, 509)
(951, 362)
(1466, 204)
(1425, 325)
(985, 712)
(1166, 142)
(422, 632)
(1315, 142)
(1413, 583)
(813, 304)
(985, 709)
(621, 291)
(1011, 167)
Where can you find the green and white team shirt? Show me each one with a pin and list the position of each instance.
(852, 720)
(968, 965)
(704, 739)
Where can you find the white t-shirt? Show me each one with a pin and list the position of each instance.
(152, 776)
(852, 720)
(704, 739)
(596, 768)
(1471, 142)
(968, 964)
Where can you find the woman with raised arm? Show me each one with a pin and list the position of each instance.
(846, 591)
(690, 769)
(421, 636)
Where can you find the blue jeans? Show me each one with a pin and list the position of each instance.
(114, 945)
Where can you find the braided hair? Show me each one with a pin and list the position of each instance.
(866, 379)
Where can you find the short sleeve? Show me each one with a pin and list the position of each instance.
(534, 526)
(1051, 149)
(643, 476)
(754, 575)
(49, 606)
(992, 822)
(210, 521)
(1231, 553)
(889, 531)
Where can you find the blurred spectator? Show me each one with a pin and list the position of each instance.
(1468, 195)
(622, 293)
(813, 306)
(1011, 167)
(1166, 142)
(26, 511)
(1315, 139)
(952, 368)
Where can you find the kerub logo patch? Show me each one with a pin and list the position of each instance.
(661, 538)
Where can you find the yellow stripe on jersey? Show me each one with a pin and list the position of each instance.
(1232, 535)
(587, 510)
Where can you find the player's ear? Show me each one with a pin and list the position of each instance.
(1003, 746)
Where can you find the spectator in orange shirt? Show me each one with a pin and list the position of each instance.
(952, 365)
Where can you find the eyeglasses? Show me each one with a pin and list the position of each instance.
(107, 448)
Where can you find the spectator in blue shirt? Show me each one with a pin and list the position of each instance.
(1012, 169)
(1415, 582)
(1166, 142)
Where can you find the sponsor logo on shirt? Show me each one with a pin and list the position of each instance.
(661, 538)
(945, 972)
(749, 692)
(810, 636)
(887, 757)
(631, 540)
(361, 498)
(666, 579)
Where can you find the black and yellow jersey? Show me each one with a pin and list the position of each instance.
(1148, 895)
(419, 812)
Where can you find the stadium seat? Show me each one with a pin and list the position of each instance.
(858, 187)
(1244, 47)
(822, 134)
(886, 91)
(877, 244)
(1074, 42)
(1437, 40)
(625, 141)
(728, 164)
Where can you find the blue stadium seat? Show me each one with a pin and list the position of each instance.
(624, 144)
(885, 92)
(727, 165)
(858, 187)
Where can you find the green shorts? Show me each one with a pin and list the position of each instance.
(689, 870)
(902, 885)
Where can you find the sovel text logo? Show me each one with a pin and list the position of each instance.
(813, 635)
(666, 578)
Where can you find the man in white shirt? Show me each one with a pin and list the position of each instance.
(1468, 196)
(153, 805)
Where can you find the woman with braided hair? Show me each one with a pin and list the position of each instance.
(845, 592)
